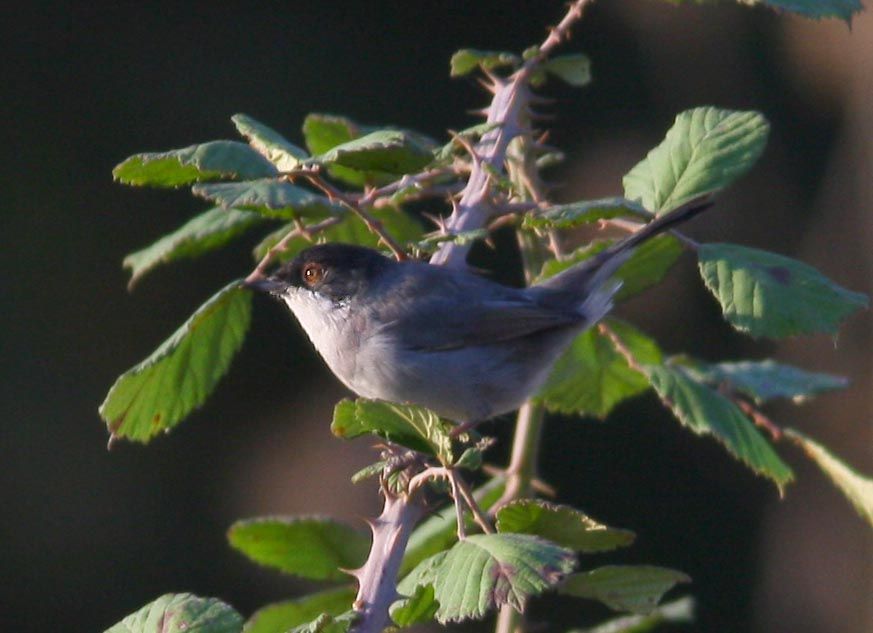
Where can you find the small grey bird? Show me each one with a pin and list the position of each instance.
(446, 339)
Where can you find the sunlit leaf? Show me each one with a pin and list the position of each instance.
(766, 379)
(857, 488)
(181, 613)
(420, 607)
(486, 571)
(705, 150)
(637, 589)
(414, 427)
(159, 392)
(269, 197)
(203, 233)
(281, 616)
(563, 525)
(309, 547)
(387, 151)
(707, 412)
(765, 294)
(592, 376)
(269, 143)
(466, 60)
(574, 69)
(208, 161)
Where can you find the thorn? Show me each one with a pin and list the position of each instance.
(537, 99)
(359, 605)
(541, 140)
(355, 573)
(498, 82)
(488, 86)
(483, 112)
(112, 442)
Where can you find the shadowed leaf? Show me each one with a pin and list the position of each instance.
(566, 216)
(208, 161)
(281, 616)
(159, 392)
(679, 611)
(416, 609)
(269, 197)
(181, 613)
(309, 547)
(765, 294)
(707, 412)
(705, 150)
(203, 233)
(466, 60)
(637, 589)
(563, 525)
(486, 571)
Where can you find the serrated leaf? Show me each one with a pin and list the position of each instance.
(466, 60)
(309, 547)
(269, 197)
(420, 607)
(566, 216)
(633, 588)
(857, 488)
(414, 427)
(648, 264)
(592, 376)
(765, 380)
(387, 151)
(563, 525)
(439, 532)
(707, 412)
(159, 392)
(676, 612)
(197, 163)
(203, 233)
(486, 571)
(765, 294)
(327, 623)
(269, 143)
(181, 613)
(281, 616)
(705, 150)
(352, 230)
(574, 69)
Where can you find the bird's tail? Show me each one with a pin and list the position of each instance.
(591, 276)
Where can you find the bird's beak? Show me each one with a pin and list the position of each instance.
(266, 284)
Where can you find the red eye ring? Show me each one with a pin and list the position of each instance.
(312, 273)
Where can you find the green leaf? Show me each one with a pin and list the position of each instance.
(677, 612)
(181, 613)
(705, 150)
(327, 623)
(648, 264)
(563, 525)
(707, 412)
(637, 589)
(857, 488)
(574, 69)
(439, 532)
(268, 142)
(765, 294)
(417, 608)
(203, 233)
(414, 427)
(816, 9)
(765, 380)
(269, 197)
(281, 616)
(466, 60)
(388, 151)
(159, 392)
(486, 571)
(309, 547)
(592, 376)
(352, 230)
(567, 216)
(197, 163)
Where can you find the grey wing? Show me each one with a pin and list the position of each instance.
(440, 310)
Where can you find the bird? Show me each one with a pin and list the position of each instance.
(447, 339)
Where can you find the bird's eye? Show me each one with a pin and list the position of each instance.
(312, 273)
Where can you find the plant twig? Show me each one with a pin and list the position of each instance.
(759, 418)
(299, 230)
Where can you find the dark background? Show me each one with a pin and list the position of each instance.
(89, 535)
